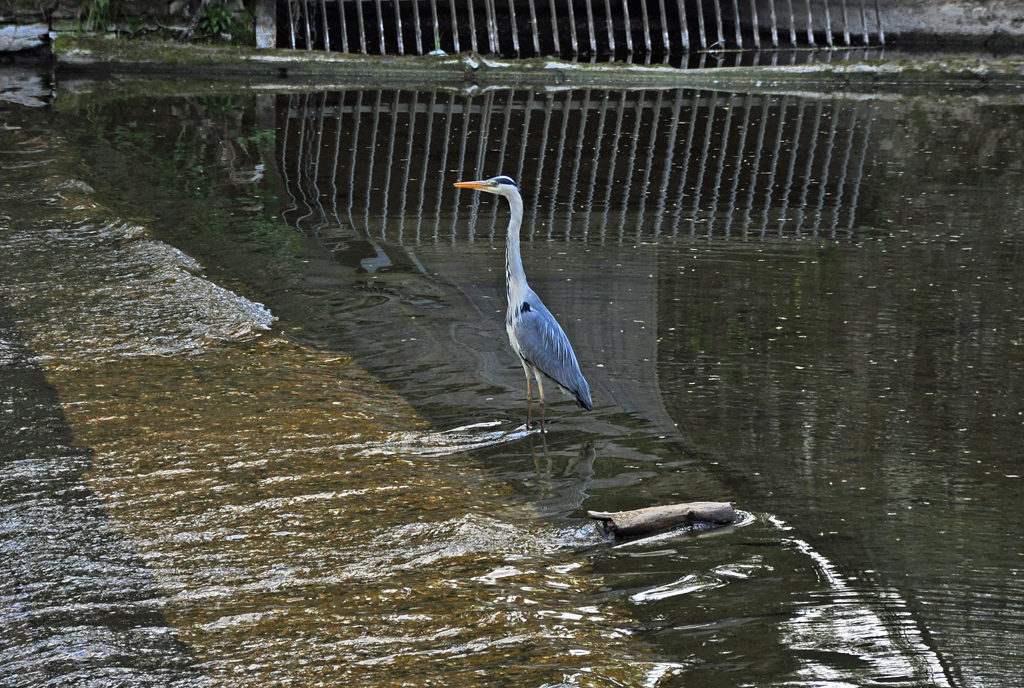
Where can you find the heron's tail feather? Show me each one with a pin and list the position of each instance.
(582, 397)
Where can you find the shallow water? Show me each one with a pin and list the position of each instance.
(257, 343)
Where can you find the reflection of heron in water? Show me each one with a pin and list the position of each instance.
(534, 333)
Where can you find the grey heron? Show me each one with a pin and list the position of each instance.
(535, 335)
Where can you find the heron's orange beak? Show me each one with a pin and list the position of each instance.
(479, 186)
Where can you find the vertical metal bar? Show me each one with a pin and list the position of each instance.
(291, 23)
(878, 19)
(608, 23)
(418, 26)
(846, 24)
(362, 26)
(533, 27)
(492, 26)
(572, 28)
(700, 26)
(398, 28)
(739, 34)
(455, 26)
(305, 19)
(810, 24)
(684, 28)
(864, 23)
(515, 25)
(775, 25)
(647, 27)
(554, 28)
(664, 26)
(590, 27)
(792, 24)
(718, 23)
(380, 25)
(437, 29)
(344, 26)
(323, 17)
(628, 25)
(753, 19)
(828, 23)
(472, 28)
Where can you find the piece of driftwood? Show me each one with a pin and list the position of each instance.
(657, 518)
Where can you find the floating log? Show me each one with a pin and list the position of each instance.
(657, 518)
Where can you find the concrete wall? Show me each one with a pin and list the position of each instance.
(976, 20)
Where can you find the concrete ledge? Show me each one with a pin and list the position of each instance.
(83, 55)
(18, 37)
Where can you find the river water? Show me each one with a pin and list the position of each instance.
(261, 425)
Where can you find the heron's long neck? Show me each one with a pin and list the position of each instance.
(514, 275)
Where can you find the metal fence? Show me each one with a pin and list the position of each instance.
(593, 164)
(575, 28)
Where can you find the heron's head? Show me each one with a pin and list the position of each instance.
(501, 185)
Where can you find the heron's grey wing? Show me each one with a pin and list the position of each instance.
(543, 345)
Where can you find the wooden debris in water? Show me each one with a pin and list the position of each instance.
(658, 518)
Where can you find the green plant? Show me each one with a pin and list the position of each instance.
(99, 14)
(216, 19)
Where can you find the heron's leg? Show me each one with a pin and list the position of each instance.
(540, 393)
(529, 392)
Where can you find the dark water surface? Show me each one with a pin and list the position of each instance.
(259, 343)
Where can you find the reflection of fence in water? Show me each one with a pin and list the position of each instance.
(613, 165)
